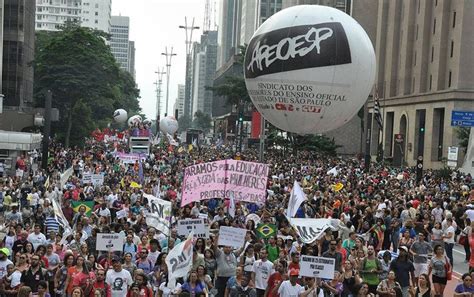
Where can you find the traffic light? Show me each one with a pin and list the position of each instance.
(241, 118)
(422, 129)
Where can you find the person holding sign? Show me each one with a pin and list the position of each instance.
(226, 265)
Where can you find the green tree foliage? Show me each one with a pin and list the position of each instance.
(184, 123)
(462, 133)
(202, 121)
(87, 83)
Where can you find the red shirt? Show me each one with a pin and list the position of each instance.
(294, 266)
(471, 244)
(103, 286)
(273, 281)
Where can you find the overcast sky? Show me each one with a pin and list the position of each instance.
(154, 24)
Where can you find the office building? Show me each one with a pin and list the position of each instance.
(179, 103)
(425, 71)
(344, 5)
(96, 14)
(122, 49)
(52, 14)
(18, 52)
(204, 68)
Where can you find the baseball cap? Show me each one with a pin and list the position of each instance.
(403, 248)
(294, 272)
(5, 251)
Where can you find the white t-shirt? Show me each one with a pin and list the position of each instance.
(119, 282)
(262, 271)
(15, 278)
(448, 230)
(103, 212)
(37, 240)
(3, 267)
(288, 290)
(470, 214)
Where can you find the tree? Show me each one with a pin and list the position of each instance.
(184, 123)
(202, 121)
(87, 83)
(462, 133)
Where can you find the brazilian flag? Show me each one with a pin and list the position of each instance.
(89, 205)
(266, 230)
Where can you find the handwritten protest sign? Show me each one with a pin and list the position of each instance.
(244, 181)
(317, 267)
(185, 227)
(110, 242)
(160, 213)
(230, 236)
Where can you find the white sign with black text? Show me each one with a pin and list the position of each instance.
(197, 225)
(110, 242)
(230, 236)
(317, 267)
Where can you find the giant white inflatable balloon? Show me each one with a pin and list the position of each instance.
(169, 125)
(120, 116)
(136, 119)
(309, 69)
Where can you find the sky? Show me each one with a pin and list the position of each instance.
(154, 25)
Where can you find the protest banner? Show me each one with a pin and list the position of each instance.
(121, 214)
(310, 230)
(230, 236)
(112, 242)
(128, 158)
(317, 267)
(160, 213)
(244, 181)
(179, 260)
(88, 205)
(95, 179)
(185, 227)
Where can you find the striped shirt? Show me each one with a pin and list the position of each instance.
(51, 225)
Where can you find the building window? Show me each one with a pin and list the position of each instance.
(416, 34)
(431, 81)
(414, 63)
(449, 79)
(432, 54)
(434, 26)
(96, 13)
(419, 2)
(454, 19)
(436, 2)
(452, 48)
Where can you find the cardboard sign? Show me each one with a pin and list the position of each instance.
(185, 227)
(121, 214)
(112, 242)
(317, 267)
(230, 236)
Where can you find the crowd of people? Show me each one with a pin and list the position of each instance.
(395, 236)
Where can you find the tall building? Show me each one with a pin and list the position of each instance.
(344, 5)
(18, 52)
(425, 71)
(51, 14)
(204, 68)
(131, 57)
(179, 103)
(95, 14)
(122, 49)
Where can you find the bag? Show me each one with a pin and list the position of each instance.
(449, 271)
(462, 240)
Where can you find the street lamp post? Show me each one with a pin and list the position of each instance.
(158, 98)
(187, 86)
(169, 56)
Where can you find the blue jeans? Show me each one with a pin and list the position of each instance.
(449, 252)
(395, 239)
